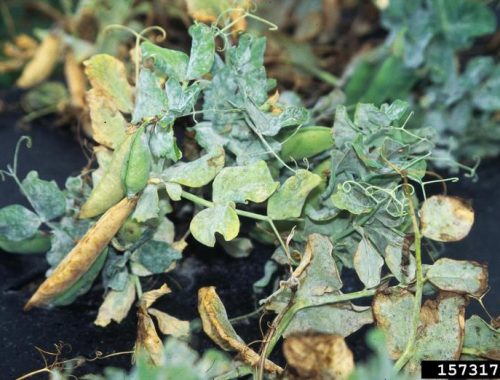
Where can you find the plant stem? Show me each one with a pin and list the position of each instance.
(138, 286)
(410, 345)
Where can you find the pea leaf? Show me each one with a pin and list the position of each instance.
(487, 96)
(116, 305)
(459, 276)
(156, 256)
(108, 124)
(174, 190)
(403, 271)
(180, 99)
(38, 243)
(244, 183)
(163, 144)
(108, 75)
(196, 173)
(289, 200)
(148, 205)
(352, 199)
(48, 201)
(151, 99)
(219, 218)
(482, 339)
(368, 263)
(441, 329)
(18, 223)
(341, 319)
(171, 63)
(445, 218)
(201, 58)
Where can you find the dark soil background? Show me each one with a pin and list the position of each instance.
(56, 153)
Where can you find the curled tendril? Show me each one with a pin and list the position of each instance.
(28, 142)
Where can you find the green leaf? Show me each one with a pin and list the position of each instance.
(341, 319)
(237, 248)
(306, 142)
(202, 51)
(171, 63)
(156, 256)
(108, 76)
(137, 165)
(487, 96)
(368, 263)
(289, 200)
(459, 276)
(352, 199)
(174, 190)
(17, 223)
(151, 99)
(461, 20)
(403, 271)
(196, 173)
(181, 100)
(482, 338)
(47, 200)
(38, 243)
(219, 218)
(240, 184)
(83, 284)
(148, 205)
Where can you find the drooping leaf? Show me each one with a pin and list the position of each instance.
(240, 184)
(17, 223)
(217, 326)
(201, 58)
(47, 199)
(458, 276)
(482, 339)
(116, 305)
(199, 172)
(289, 200)
(445, 218)
(368, 263)
(170, 325)
(108, 75)
(219, 218)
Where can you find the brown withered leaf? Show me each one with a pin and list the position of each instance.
(170, 325)
(83, 255)
(318, 356)
(209, 10)
(43, 62)
(445, 218)
(217, 326)
(116, 305)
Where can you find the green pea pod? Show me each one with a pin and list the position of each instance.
(306, 142)
(135, 170)
(109, 190)
(39, 243)
(83, 285)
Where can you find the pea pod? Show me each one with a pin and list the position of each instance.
(39, 243)
(83, 284)
(109, 190)
(135, 170)
(307, 142)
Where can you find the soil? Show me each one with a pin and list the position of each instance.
(56, 154)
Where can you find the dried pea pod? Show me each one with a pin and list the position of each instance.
(109, 190)
(135, 171)
(43, 62)
(81, 258)
(306, 142)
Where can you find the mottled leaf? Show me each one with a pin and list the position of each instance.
(151, 99)
(459, 276)
(156, 256)
(48, 201)
(171, 63)
(148, 205)
(170, 325)
(368, 263)
(482, 339)
(445, 218)
(18, 223)
(201, 58)
(244, 183)
(116, 305)
(352, 199)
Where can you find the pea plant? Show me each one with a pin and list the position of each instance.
(335, 200)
